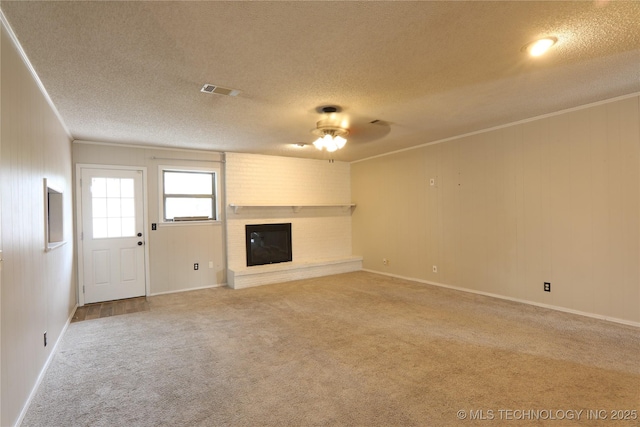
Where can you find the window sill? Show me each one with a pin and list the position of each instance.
(54, 245)
(188, 223)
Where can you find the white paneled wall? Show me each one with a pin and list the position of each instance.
(317, 232)
(38, 292)
(551, 200)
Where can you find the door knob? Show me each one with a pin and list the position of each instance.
(139, 243)
(139, 234)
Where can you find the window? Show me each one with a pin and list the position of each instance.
(188, 195)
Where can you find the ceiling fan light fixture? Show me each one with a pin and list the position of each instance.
(329, 144)
(330, 138)
(318, 143)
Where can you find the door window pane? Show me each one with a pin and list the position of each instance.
(126, 188)
(114, 227)
(113, 207)
(99, 228)
(128, 207)
(99, 207)
(113, 187)
(99, 187)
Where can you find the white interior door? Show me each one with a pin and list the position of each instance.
(112, 234)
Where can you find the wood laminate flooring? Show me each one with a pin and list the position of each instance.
(110, 308)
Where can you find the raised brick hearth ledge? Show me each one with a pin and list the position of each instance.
(287, 271)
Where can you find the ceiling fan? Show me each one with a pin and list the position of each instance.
(334, 127)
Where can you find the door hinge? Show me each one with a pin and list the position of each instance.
(82, 235)
(83, 289)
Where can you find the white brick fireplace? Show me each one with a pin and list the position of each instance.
(313, 195)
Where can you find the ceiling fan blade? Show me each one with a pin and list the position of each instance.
(369, 131)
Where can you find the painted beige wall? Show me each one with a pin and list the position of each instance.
(173, 249)
(38, 287)
(555, 199)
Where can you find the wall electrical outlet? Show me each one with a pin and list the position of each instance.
(432, 182)
(196, 266)
(547, 286)
(210, 264)
(435, 268)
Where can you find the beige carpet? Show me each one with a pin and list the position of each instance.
(355, 349)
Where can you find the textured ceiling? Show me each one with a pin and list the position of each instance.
(131, 72)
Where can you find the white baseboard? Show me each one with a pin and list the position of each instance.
(217, 285)
(503, 297)
(43, 371)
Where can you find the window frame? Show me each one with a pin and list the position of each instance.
(215, 196)
(53, 216)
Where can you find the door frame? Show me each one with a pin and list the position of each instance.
(79, 242)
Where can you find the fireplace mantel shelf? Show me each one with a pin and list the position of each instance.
(237, 207)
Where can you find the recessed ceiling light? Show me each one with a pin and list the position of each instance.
(539, 47)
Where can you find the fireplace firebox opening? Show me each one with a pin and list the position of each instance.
(268, 243)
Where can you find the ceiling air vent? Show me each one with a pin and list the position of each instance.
(208, 88)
